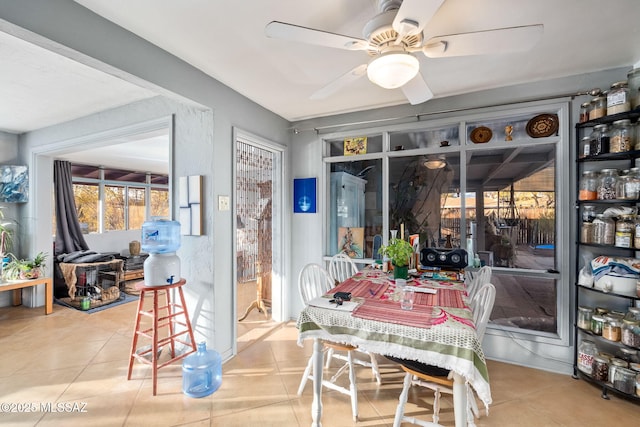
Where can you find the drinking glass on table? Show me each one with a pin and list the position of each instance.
(406, 299)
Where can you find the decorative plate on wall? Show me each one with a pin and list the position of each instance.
(481, 134)
(542, 125)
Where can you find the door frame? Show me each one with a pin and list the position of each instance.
(279, 287)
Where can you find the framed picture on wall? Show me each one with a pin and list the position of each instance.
(304, 195)
(14, 184)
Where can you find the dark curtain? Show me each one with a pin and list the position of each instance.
(69, 236)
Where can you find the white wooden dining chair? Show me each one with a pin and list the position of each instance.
(315, 281)
(474, 280)
(439, 380)
(341, 267)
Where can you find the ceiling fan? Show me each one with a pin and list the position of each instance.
(394, 35)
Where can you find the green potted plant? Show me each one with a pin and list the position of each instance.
(24, 268)
(399, 252)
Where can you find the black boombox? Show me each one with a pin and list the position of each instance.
(447, 258)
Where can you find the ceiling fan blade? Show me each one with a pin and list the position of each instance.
(342, 81)
(416, 90)
(296, 33)
(414, 15)
(501, 40)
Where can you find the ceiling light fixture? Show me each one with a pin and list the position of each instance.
(392, 70)
(435, 162)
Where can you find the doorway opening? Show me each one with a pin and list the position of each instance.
(257, 212)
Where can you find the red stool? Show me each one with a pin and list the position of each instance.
(174, 314)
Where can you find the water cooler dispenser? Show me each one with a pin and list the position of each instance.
(161, 239)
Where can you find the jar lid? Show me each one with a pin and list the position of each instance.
(618, 85)
(601, 127)
(586, 138)
(598, 99)
(600, 358)
(628, 351)
(583, 308)
(634, 310)
(597, 318)
(602, 310)
(633, 72)
(631, 322)
(619, 362)
(623, 122)
(634, 367)
(585, 104)
(609, 171)
(589, 342)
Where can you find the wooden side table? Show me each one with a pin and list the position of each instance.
(17, 285)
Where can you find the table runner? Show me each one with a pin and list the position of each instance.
(378, 302)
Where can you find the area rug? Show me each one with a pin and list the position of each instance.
(96, 305)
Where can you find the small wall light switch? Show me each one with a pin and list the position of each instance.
(223, 203)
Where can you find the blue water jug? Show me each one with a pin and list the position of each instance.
(201, 372)
(160, 236)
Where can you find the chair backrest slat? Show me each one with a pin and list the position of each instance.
(481, 306)
(313, 281)
(342, 267)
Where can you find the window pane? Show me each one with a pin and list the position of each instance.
(517, 226)
(355, 207)
(113, 208)
(86, 199)
(513, 190)
(343, 147)
(439, 137)
(136, 208)
(160, 202)
(418, 196)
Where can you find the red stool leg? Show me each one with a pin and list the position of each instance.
(186, 318)
(134, 340)
(154, 348)
(170, 311)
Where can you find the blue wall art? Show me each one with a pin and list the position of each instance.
(304, 195)
(14, 184)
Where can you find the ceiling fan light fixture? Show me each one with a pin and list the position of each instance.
(393, 70)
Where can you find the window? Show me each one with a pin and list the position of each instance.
(496, 198)
(114, 199)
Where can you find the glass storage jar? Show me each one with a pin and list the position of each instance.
(614, 364)
(600, 368)
(621, 137)
(584, 317)
(627, 186)
(625, 231)
(607, 184)
(636, 238)
(588, 213)
(598, 107)
(633, 79)
(584, 112)
(599, 140)
(618, 99)
(630, 332)
(585, 147)
(624, 380)
(597, 322)
(586, 351)
(604, 230)
(588, 186)
(633, 312)
(611, 330)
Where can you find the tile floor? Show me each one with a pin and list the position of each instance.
(80, 359)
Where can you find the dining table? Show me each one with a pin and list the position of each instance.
(438, 330)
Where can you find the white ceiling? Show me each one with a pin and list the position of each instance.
(226, 40)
